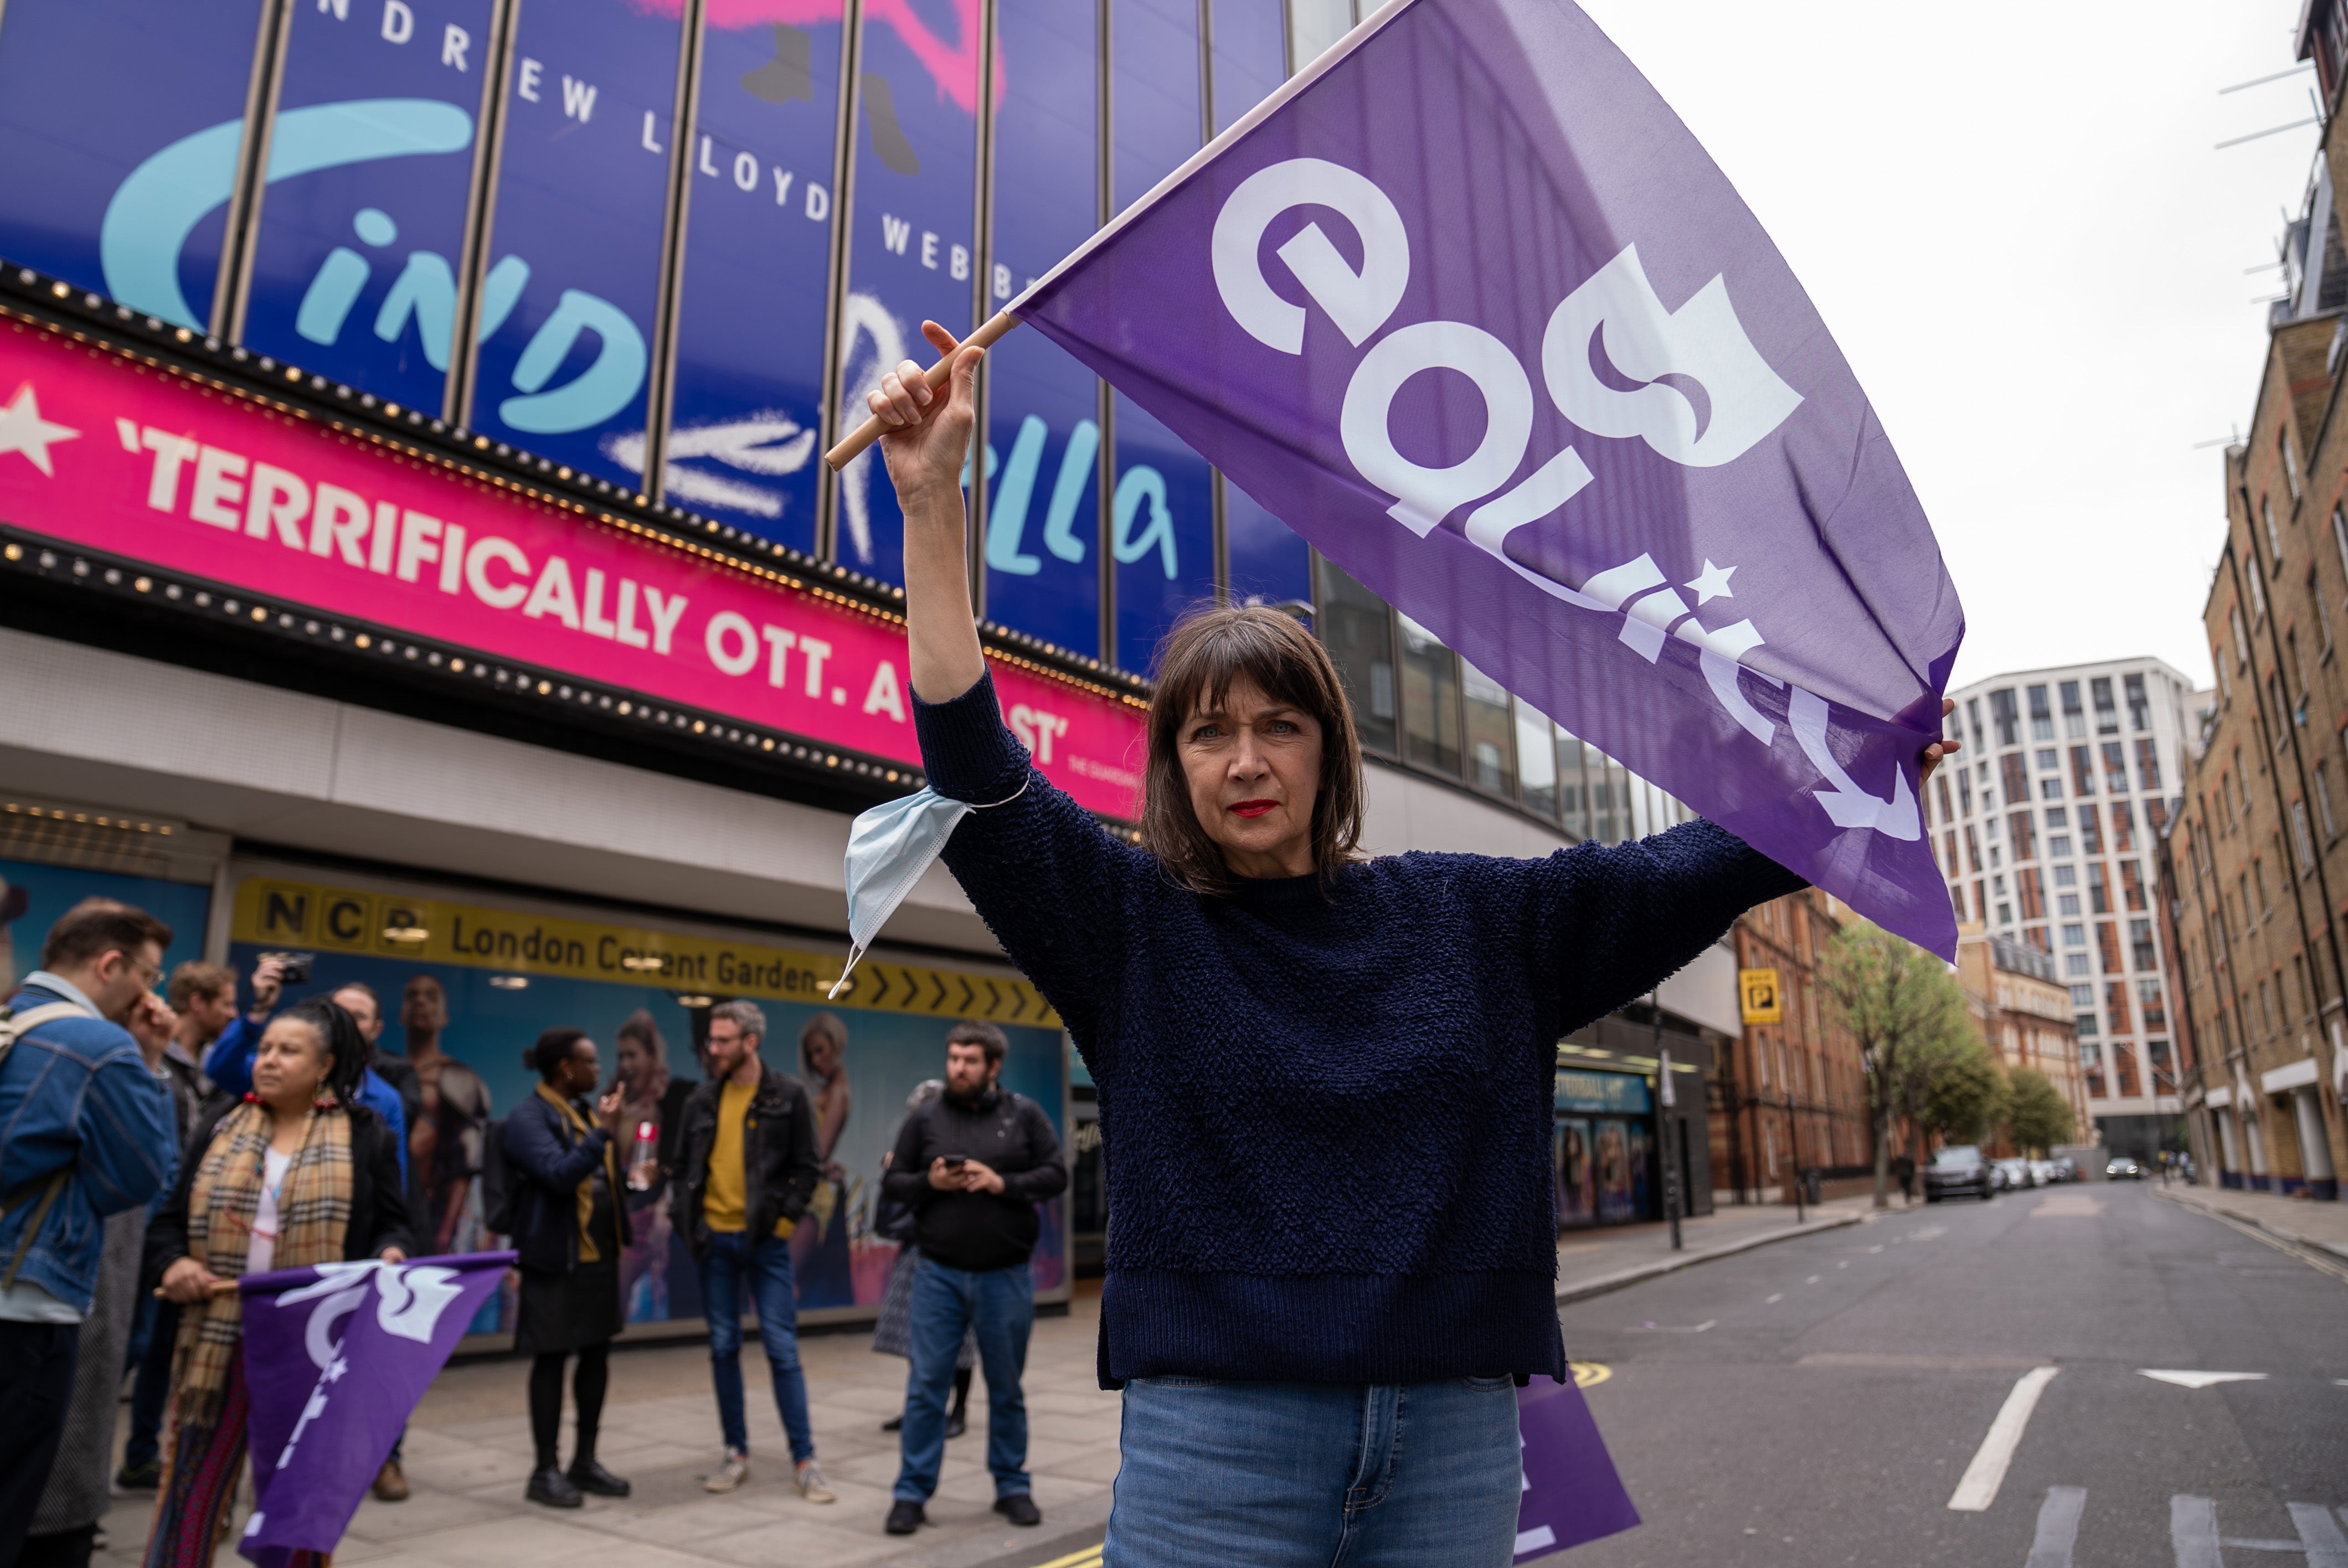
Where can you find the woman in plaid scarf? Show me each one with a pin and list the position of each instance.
(300, 1173)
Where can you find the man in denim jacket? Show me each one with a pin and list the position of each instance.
(85, 1132)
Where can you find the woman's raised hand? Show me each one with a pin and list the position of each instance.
(928, 438)
(188, 1282)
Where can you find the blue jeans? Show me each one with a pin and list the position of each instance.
(1000, 1304)
(767, 1265)
(1317, 1475)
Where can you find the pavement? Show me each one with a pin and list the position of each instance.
(2320, 1228)
(1592, 1263)
(2114, 1380)
(468, 1456)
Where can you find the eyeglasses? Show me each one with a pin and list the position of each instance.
(148, 973)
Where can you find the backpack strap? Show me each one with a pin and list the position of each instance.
(15, 1025)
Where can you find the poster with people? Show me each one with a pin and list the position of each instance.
(466, 988)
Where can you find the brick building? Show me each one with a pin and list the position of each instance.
(2259, 855)
(2024, 1013)
(1790, 1095)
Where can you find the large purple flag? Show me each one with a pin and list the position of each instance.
(1571, 1492)
(1467, 306)
(336, 1358)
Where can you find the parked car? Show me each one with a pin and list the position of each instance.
(2067, 1169)
(2122, 1168)
(2044, 1172)
(2014, 1173)
(1959, 1169)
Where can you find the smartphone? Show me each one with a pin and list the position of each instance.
(956, 1161)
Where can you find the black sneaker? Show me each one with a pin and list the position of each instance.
(893, 1424)
(589, 1476)
(955, 1425)
(140, 1477)
(550, 1486)
(904, 1517)
(1019, 1508)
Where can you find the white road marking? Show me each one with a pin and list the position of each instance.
(1781, 1295)
(2193, 1532)
(1812, 1280)
(2325, 1546)
(1672, 1328)
(1844, 1263)
(1978, 1488)
(2067, 1206)
(2058, 1527)
(2199, 1380)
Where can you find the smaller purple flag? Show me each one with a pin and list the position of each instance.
(1572, 1494)
(336, 1358)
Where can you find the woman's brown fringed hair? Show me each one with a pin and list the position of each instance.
(1203, 656)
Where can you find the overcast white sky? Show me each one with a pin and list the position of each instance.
(2013, 218)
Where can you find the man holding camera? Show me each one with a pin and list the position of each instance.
(972, 1164)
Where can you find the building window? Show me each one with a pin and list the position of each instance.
(2323, 611)
(2042, 717)
(2258, 595)
(2274, 539)
(2067, 902)
(2099, 895)
(2149, 1006)
(2266, 1004)
(2057, 816)
(2290, 455)
(1430, 699)
(2076, 963)
(1537, 748)
(1490, 733)
(2123, 826)
(1973, 721)
(1358, 631)
(2132, 884)
(2074, 936)
(2083, 996)
(2050, 789)
(2091, 832)
(2075, 721)
(2056, 847)
(2241, 638)
(2064, 876)
(2107, 718)
(2089, 1025)
(2300, 836)
(2164, 1070)
(2324, 801)
(2005, 914)
(2115, 768)
(2258, 875)
(2047, 760)
(2147, 765)
(2083, 771)
(2140, 944)
(2007, 715)
(2139, 708)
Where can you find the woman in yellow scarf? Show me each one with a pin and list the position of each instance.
(568, 1230)
(297, 1174)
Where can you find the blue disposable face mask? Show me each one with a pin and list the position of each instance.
(889, 848)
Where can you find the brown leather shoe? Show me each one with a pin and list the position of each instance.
(390, 1485)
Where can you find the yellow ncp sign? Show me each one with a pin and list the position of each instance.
(1763, 1002)
(396, 925)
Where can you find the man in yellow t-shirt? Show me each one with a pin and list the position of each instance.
(746, 1167)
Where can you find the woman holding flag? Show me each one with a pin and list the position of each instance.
(298, 1172)
(1327, 1078)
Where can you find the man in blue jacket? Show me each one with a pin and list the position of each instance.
(85, 1132)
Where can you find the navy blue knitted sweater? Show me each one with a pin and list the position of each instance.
(1327, 1117)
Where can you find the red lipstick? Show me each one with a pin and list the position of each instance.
(1254, 808)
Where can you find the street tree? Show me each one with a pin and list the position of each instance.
(1906, 1013)
(2036, 1114)
(1967, 1096)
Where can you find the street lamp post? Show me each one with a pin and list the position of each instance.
(1794, 1136)
(1663, 1093)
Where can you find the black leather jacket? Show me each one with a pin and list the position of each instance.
(780, 1165)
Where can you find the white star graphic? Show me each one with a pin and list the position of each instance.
(21, 429)
(1711, 582)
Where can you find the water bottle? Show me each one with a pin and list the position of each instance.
(643, 1159)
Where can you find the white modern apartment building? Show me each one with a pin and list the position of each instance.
(2049, 835)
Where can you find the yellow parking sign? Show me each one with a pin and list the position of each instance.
(1763, 1003)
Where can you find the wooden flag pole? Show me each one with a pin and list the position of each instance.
(219, 1287)
(989, 333)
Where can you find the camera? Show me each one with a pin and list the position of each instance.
(292, 969)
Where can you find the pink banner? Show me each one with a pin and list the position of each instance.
(103, 452)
